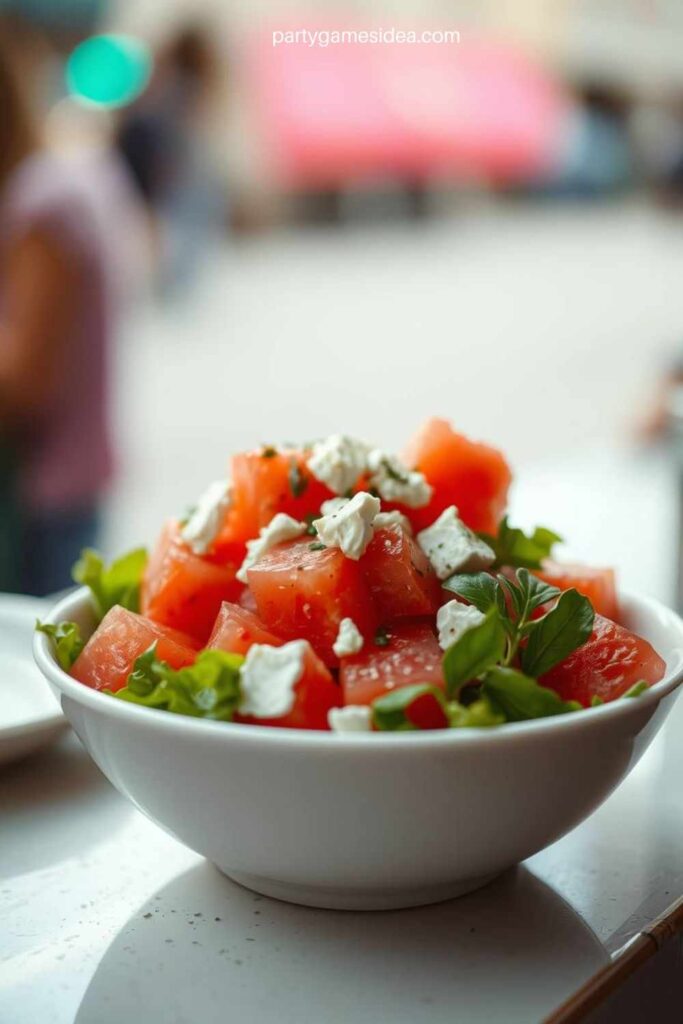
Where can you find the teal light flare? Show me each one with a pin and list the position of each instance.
(108, 70)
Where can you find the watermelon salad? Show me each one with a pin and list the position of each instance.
(336, 586)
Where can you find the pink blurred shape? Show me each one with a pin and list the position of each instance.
(345, 112)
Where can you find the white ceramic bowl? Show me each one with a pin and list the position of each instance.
(367, 821)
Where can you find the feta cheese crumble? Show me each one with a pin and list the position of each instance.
(349, 639)
(204, 523)
(350, 529)
(452, 547)
(268, 677)
(281, 528)
(395, 482)
(454, 619)
(394, 518)
(382, 520)
(333, 505)
(339, 461)
(352, 718)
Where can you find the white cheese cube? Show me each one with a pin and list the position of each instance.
(205, 521)
(349, 639)
(268, 677)
(350, 529)
(352, 718)
(395, 482)
(452, 547)
(454, 619)
(339, 461)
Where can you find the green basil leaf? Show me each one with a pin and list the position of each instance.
(389, 710)
(118, 583)
(476, 651)
(67, 640)
(514, 548)
(208, 689)
(519, 697)
(479, 588)
(559, 632)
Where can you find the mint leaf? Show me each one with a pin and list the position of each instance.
(479, 588)
(67, 640)
(208, 689)
(560, 631)
(390, 711)
(481, 713)
(527, 593)
(118, 583)
(519, 697)
(635, 691)
(476, 651)
(513, 547)
(536, 591)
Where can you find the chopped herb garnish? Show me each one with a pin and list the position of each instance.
(268, 452)
(317, 546)
(392, 472)
(297, 481)
(311, 530)
(382, 637)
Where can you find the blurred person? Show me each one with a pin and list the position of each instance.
(161, 139)
(59, 223)
(595, 157)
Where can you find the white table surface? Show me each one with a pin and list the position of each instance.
(104, 918)
(107, 919)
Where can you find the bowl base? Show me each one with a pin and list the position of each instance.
(330, 898)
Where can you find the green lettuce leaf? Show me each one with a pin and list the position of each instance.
(208, 689)
(67, 640)
(635, 691)
(118, 583)
(519, 697)
(481, 713)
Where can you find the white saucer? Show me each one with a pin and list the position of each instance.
(30, 716)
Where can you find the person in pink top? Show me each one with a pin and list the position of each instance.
(58, 306)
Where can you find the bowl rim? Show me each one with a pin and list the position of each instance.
(510, 732)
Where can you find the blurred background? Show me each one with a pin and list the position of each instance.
(210, 241)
